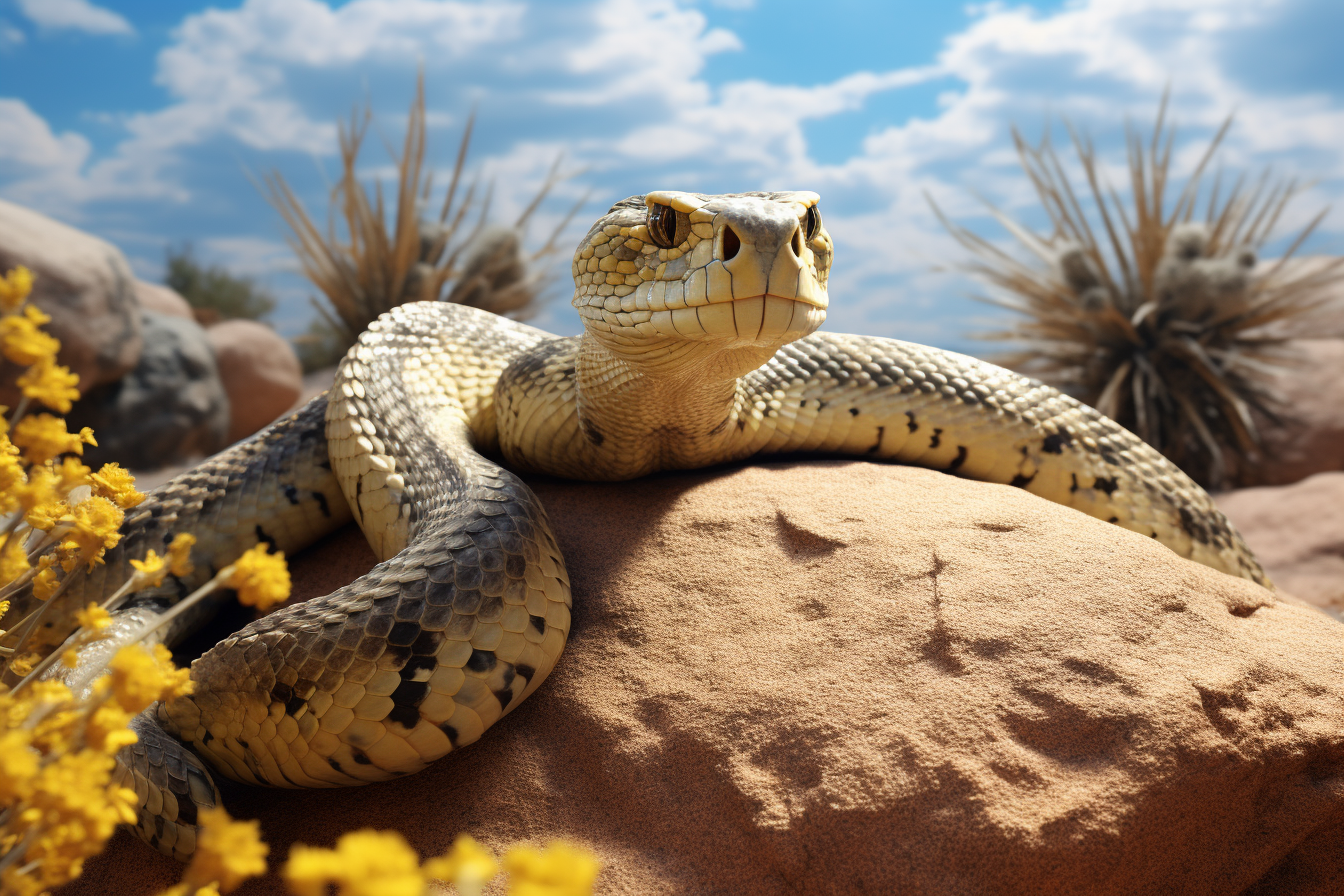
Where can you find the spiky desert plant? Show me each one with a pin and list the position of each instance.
(373, 261)
(1155, 316)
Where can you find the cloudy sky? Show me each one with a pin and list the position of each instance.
(145, 122)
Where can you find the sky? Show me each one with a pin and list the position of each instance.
(149, 123)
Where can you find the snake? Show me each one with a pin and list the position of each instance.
(700, 346)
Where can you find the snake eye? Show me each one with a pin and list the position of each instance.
(811, 223)
(667, 227)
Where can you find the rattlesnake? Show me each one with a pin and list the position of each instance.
(698, 348)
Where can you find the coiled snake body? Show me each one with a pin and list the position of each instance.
(699, 348)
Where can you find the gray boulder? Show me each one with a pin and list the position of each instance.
(86, 286)
(171, 407)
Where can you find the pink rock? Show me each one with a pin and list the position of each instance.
(86, 286)
(1313, 442)
(160, 298)
(1297, 531)
(260, 372)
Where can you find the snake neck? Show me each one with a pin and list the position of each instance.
(641, 418)
(572, 408)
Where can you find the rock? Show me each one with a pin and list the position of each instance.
(85, 285)
(1327, 321)
(1297, 531)
(172, 406)
(1313, 390)
(840, 677)
(160, 298)
(260, 372)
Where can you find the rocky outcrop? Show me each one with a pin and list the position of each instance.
(160, 298)
(170, 407)
(85, 285)
(1297, 531)
(1312, 441)
(259, 371)
(849, 678)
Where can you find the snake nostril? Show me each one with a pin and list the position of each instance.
(732, 243)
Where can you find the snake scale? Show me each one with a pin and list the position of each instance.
(699, 347)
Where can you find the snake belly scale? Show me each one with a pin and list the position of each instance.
(698, 348)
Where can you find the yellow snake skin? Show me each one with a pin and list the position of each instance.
(699, 347)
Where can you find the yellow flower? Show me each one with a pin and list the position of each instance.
(262, 579)
(18, 765)
(364, 863)
(228, 852)
(179, 554)
(22, 342)
(562, 869)
(140, 676)
(71, 474)
(50, 383)
(22, 665)
(106, 730)
(96, 521)
(150, 571)
(45, 437)
(41, 498)
(467, 865)
(13, 559)
(93, 618)
(117, 484)
(15, 287)
(45, 582)
(13, 480)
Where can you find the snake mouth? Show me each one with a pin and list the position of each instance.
(756, 320)
(815, 300)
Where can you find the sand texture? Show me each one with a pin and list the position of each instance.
(839, 677)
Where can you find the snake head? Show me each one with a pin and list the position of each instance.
(743, 273)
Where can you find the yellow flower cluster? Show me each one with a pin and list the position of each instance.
(382, 863)
(262, 579)
(57, 803)
(56, 759)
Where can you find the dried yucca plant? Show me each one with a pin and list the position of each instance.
(375, 261)
(1157, 317)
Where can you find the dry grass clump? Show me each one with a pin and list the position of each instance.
(1157, 316)
(374, 261)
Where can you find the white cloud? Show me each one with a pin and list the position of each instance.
(75, 15)
(37, 162)
(10, 36)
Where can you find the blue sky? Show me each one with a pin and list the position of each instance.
(142, 121)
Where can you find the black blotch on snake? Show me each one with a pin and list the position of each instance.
(403, 634)
(481, 661)
(410, 693)
(1057, 441)
(1105, 484)
(266, 539)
